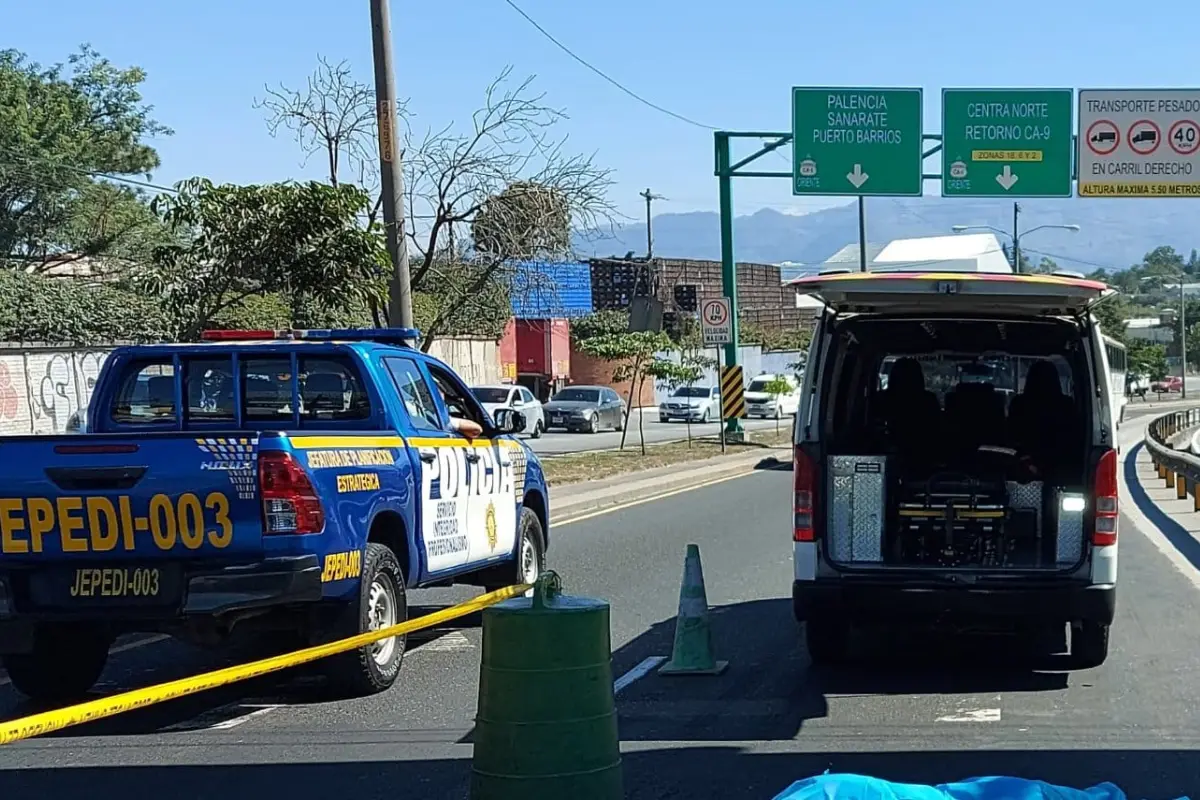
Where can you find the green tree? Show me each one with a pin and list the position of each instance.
(1147, 358)
(634, 356)
(597, 323)
(1046, 266)
(1112, 314)
(299, 240)
(35, 308)
(777, 387)
(671, 375)
(478, 200)
(61, 126)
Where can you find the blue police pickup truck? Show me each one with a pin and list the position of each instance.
(291, 483)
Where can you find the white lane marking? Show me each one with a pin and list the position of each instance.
(650, 498)
(973, 715)
(219, 719)
(4, 681)
(640, 671)
(452, 642)
(1140, 520)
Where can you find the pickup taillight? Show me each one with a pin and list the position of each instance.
(290, 502)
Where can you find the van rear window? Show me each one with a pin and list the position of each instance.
(329, 388)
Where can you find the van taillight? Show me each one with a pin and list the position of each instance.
(805, 496)
(290, 503)
(1105, 491)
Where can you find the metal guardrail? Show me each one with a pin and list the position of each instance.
(1178, 468)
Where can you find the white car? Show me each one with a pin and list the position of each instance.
(761, 403)
(692, 403)
(514, 397)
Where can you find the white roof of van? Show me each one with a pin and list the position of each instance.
(972, 252)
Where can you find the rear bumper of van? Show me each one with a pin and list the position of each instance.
(874, 600)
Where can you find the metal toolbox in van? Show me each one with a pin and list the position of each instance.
(857, 508)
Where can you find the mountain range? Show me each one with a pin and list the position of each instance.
(1113, 234)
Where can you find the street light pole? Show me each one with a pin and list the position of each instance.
(1016, 237)
(1016, 233)
(400, 313)
(1182, 341)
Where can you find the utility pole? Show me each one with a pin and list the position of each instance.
(400, 314)
(1016, 238)
(650, 197)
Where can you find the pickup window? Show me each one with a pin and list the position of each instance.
(328, 388)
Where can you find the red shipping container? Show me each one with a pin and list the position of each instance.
(508, 351)
(544, 347)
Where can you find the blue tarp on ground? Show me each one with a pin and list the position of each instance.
(859, 787)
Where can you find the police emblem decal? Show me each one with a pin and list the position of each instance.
(490, 525)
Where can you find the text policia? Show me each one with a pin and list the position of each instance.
(102, 524)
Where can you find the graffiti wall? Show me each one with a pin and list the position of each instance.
(41, 388)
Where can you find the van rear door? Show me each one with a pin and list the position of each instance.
(966, 293)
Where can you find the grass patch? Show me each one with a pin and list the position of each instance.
(594, 465)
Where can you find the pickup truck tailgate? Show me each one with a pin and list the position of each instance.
(132, 499)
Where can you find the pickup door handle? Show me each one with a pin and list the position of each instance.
(428, 458)
(74, 479)
(472, 457)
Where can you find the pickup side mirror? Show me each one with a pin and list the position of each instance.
(509, 420)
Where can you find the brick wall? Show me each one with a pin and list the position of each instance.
(762, 299)
(587, 369)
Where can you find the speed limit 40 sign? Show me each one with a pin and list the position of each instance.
(716, 322)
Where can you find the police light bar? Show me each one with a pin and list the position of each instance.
(386, 335)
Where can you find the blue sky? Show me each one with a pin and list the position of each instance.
(727, 65)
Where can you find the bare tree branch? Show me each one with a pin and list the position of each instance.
(334, 116)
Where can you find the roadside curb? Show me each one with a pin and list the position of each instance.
(622, 490)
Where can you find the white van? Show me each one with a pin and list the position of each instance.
(955, 460)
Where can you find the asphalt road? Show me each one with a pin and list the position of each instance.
(556, 442)
(944, 711)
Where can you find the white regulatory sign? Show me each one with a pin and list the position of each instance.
(716, 322)
(1139, 143)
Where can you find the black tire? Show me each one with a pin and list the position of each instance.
(827, 639)
(1089, 645)
(592, 426)
(619, 424)
(359, 673)
(65, 663)
(664, 419)
(778, 411)
(538, 429)
(704, 418)
(531, 542)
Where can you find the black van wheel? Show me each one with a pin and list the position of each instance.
(1089, 644)
(827, 639)
(65, 663)
(382, 602)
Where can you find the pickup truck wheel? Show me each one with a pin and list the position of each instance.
(531, 555)
(1089, 645)
(64, 665)
(382, 602)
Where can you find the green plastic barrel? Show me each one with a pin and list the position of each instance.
(547, 721)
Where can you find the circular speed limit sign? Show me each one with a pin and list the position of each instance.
(715, 313)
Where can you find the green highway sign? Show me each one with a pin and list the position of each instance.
(860, 142)
(1007, 142)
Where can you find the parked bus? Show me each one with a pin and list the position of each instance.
(1118, 366)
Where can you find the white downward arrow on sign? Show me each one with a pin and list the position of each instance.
(858, 177)
(1006, 179)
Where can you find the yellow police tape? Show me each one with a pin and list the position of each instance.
(39, 724)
